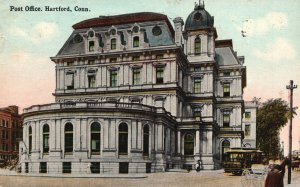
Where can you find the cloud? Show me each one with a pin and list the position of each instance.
(260, 26)
(41, 32)
(279, 50)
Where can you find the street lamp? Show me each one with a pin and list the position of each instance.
(290, 87)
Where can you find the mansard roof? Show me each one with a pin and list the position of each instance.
(225, 56)
(102, 21)
(123, 23)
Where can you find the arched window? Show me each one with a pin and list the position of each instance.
(123, 139)
(113, 44)
(95, 138)
(136, 41)
(68, 138)
(146, 141)
(46, 138)
(189, 144)
(30, 139)
(225, 148)
(197, 45)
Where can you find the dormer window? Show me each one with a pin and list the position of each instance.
(197, 45)
(136, 41)
(113, 44)
(91, 46)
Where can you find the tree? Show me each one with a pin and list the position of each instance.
(272, 116)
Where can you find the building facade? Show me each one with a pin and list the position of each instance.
(249, 123)
(135, 95)
(10, 132)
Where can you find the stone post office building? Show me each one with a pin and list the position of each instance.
(135, 95)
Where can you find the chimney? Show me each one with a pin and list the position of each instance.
(178, 22)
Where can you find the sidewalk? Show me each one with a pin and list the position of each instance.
(6, 172)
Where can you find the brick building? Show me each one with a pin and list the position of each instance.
(10, 132)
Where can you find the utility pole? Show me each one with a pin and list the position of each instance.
(290, 87)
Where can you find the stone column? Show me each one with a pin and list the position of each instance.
(134, 135)
(106, 134)
(139, 135)
(34, 134)
(209, 142)
(178, 142)
(112, 134)
(197, 142)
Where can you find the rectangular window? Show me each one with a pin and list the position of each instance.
(197, 85)
(92, 81)
(43, 167)
(113, 44)
(113, 78)
(91, 46)
(197, 112)
(95, 167)
(70, 81)
(247, 115)
(226, 90)
(26, 167)
(136, 41)
(136, 76)
(226, 119)
(247, 130)
(67, 167)
(95, 143)
(159, 75)
(123, 167)
(148, 167)
(46, 143)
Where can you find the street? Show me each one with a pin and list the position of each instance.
(202, 179)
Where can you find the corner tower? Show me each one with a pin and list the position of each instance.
(199, 35)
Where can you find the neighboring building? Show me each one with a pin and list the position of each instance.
(134, 95)
(249, 124)
(10, 132)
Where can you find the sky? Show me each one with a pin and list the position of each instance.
(271, 27)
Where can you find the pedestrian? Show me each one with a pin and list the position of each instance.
(198, 166)
(276, 175)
